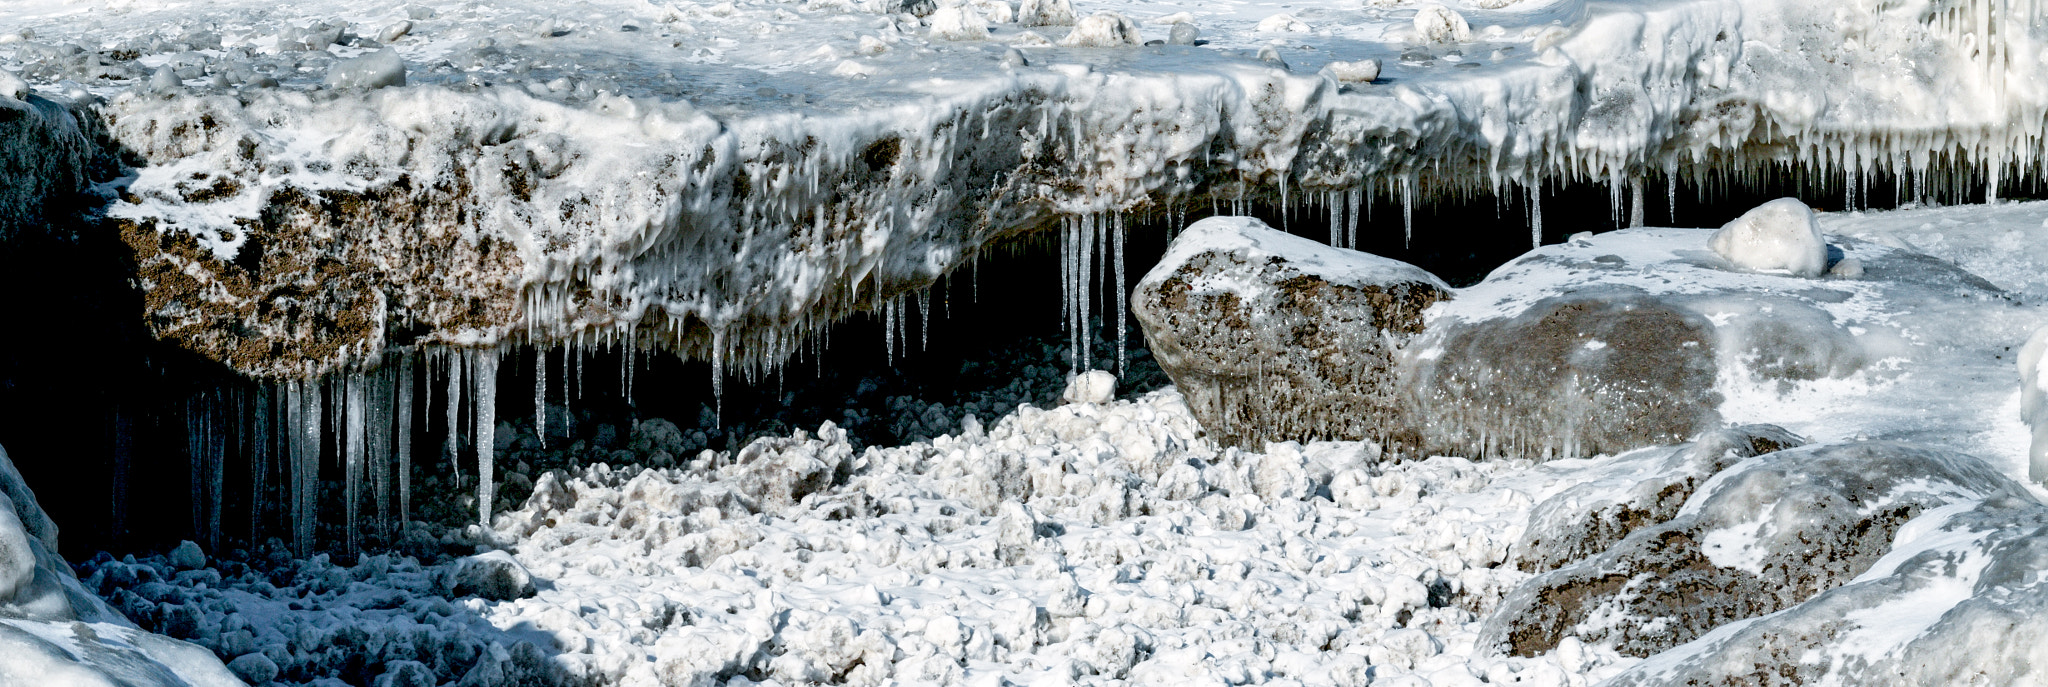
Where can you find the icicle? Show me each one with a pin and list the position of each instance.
(259, 456)
(377, 452)
(486, 393)
(307, 474)
(1536, 214)
(1351, 220)
(457, 360)
(1085, 262)
(1122, 293)
(1635, 203)
(352, 467)
(540, 395)
(403, 430)
(924, 320)
(1671, 191)
(1407, 211)
(889, 330)
(718, 376)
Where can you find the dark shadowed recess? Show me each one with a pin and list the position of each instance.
(96, 413)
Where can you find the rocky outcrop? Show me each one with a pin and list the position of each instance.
(1272, 337)
(46, 157)
(1759, 537)
(53, 631)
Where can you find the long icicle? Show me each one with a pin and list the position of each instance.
(540, 395)
(457, 361)
(403, 431)
(352, 475)
(1122, 292)
(486, 392)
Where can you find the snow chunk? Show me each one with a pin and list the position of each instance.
(1046, 13)
(1440, 24)
(1362, 71)
(959, 23)
(1095, 386)
(1282, 23)
(12, 86)
(1778, 236)
(1103, 30)
(373, 70)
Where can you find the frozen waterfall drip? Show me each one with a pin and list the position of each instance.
(486, 394)
(540, 395)
(403, 432)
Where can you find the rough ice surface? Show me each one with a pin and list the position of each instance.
(376, 69)
(1778, 236)
(637, 169)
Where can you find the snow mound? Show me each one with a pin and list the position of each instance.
(1103, 30)
(1439, 24)
(959, 23)
(1761, 536)
(1778, 236)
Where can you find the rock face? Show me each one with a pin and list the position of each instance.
(1962, 598)
(1273, 337)
(1573, 375)
(53, 631)
(1759, 537)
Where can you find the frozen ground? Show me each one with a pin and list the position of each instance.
(1094, 542)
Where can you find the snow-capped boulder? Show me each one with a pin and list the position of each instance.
(957, 22)
(1599, 371)
(1961, 598)
(1274, 337)
(1103, 30)
(1439, 24)
(1759, 537)
(1778, 236)
(495, 575)
(1046, 13)
(1641, 489)
(12, 87)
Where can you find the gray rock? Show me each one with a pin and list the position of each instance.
(1272, 337)
(1759, 537)
(405, 674)
(187, 556)
(494, 575)
(254, 668)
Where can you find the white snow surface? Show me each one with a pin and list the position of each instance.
(1255, 241)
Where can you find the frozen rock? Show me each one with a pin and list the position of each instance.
(1439, 24)
(958, 23)
(495, 575)
(1361, 71)
(1778, 236)
(254, 668)
(165, 81)
(1960, 598)
(777, 472)
(1103, 30)
(1759, 537)
(12, 86)
(1094, 386)
(187, 556)
(1282, 22)
(1641, 489)
(395, 31)
(405, 674)
(1183, 33)
(995, 11)
(1573, 375)
(370, 70)
(1046, 13)
(35, 582)
(1274, 337)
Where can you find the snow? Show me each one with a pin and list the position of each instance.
(1780, 235)
(377, 69)
(1257, 242)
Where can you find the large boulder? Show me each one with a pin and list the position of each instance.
(1759, 537)
(52, 631)
(1273, 337)
(1961, 599)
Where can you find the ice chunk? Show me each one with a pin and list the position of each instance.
(1282, 22)
(188, 556)
(1046, 13)
(12, 86)
(395, 31)
(1778, 236)
(1103, 30)
(1183, 33)
(995, 11)
(958, 23)
(1094, 386)
(1361, 71)
(1439, 24)
(371, 70)
(165, 80)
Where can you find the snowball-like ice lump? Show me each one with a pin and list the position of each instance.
(12, 86)
(958, 23)
(1440, 24)
(1095, 386)
(1778, 236)
(371, 70)
(1362, 71)
(1103, 30)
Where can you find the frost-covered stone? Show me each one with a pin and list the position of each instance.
(1282, 22)
(958, 22)
(1183, 33)
(254, 668)
(187, 556)
(1960, 598)
(495, 575)
(1439, 24)
(1780, 235)
(12, 87)
(1046, 13)
(1103, 30)
(370, 70)
(1361, 71)
(1094, 386)
(1274, 337)
(1640, 489)
(1761, 536)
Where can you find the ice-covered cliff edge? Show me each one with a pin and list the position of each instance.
(722, 179)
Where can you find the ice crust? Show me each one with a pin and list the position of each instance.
(657, 170)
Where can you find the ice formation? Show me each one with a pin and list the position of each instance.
(1780, 235)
